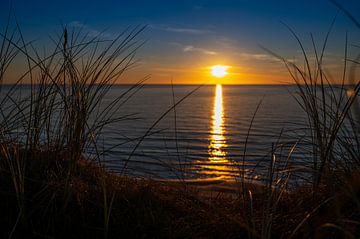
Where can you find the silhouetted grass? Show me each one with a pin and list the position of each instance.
(51, 188)
(333, 208)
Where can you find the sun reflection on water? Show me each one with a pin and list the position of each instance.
(218, 164)
(217, 140)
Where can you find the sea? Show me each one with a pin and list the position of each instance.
(194, 133)
(212, 132)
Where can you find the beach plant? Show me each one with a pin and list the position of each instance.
(9, 153)
(332, 138)
(52, 117)
(53, 114)
(328, 108)
(333, 125)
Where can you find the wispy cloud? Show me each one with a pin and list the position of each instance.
(89, 30)
(228, 43)
(171, 69)
(179, 29)
(190, 48)
(259, 57)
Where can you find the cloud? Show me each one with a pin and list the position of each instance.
(190, 48)
(91, 32)
(198, 49)
(170, 69)
(180, 30)
(259, 57)
(228, 43)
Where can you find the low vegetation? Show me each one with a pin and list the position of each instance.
(51, 187)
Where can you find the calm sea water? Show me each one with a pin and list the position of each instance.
(208, 135)
(213, 134)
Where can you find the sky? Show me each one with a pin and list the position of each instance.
(185, 38)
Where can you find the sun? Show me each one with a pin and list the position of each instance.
(219, 71)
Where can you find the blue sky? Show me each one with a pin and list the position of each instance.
(185, 37)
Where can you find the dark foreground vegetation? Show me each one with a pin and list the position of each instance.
(96, 204)
(53, 181)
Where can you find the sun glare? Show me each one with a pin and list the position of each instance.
(219, 71)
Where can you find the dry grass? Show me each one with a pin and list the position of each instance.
(50, 189)
(140, 208)
(143, 208)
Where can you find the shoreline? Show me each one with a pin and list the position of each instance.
(146, 207)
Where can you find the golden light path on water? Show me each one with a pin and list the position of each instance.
(217, 142)
(217, 155)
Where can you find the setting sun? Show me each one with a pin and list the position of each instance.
(197, 119)
(219, 71)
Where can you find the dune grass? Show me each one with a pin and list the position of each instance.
(51, 188)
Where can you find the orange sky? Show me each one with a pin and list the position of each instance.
(185, 38)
